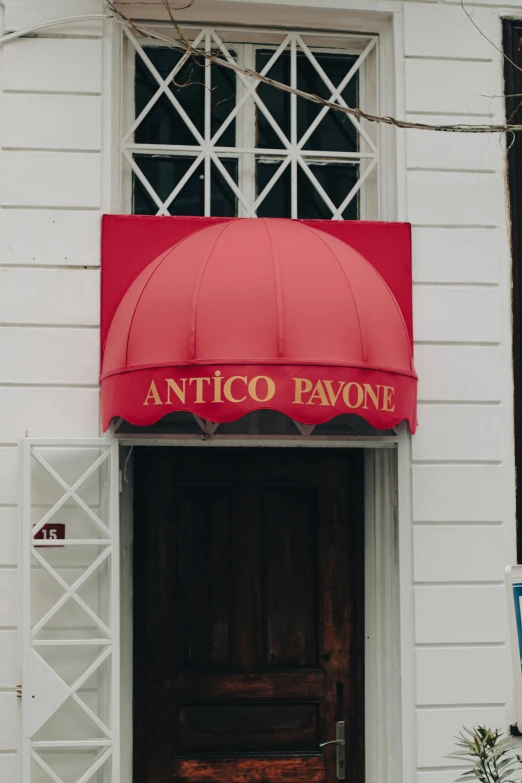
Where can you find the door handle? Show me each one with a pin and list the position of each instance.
(332, 742)
(340, 749)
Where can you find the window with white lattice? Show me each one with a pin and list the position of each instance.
(203, 139)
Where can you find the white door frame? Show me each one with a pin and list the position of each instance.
(388, 646)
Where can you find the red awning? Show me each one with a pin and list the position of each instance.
(253, 314)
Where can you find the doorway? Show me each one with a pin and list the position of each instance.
(248, 615)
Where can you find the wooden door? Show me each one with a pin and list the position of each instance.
(248, 615)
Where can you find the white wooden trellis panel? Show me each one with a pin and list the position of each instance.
(293, 154)
(71, 624)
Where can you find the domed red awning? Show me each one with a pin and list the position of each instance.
(254, 313)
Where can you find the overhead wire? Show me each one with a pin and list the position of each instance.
(184, 45)
(51, 23)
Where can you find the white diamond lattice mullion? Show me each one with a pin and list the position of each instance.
(268, 116)
(181, 184)
(70, 492)
(268, 187)
(172, 98)
(317, 185)
(87, 775)
(337, 92)
(92, 715)
(251, 87)
(249, 83)
(207, 200)
(91, 669)
(293, 127)
(338, 214)
(228, 179)
(70, 592)
(46, 768)
(145, 182)
(165, 83)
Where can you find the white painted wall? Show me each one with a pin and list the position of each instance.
(50, 204)
(463, 493)
(55, 133)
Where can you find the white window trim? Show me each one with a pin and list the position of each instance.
(292, 156)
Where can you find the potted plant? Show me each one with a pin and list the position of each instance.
(492, 757)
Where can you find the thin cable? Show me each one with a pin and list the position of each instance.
(185, 46)
(52, 23)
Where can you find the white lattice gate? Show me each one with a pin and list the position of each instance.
(70, 568)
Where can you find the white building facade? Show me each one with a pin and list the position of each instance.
(440, 504)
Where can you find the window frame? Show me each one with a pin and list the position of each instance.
(373, 167)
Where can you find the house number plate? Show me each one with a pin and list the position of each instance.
(51, 532)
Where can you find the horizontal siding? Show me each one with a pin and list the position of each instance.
(61, 122)
(461, 258)
(49, 356)
(437, 776)
(454, 198)
(438, 31)
(50, 237)
(9, 479)
(50, 179)
(48, 413)
(452, 151)
(466, 553)
(456, 373)
(460, 615)
(52, 65)
(471, 85)
(9, 586)
(450, 314)
(10, 724)
(25, 13)
(458, 493)
(9, 660)
(456, 255)
(462, 675)
(459, 432)
(50, 296)
(437, 729)
(500, 4)
(8, 536)
(10, 767)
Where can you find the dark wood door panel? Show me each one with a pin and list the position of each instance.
(247, 728)
(263, 769)
(248, 615)
(198, 686)
(205, 580)
(291, 575)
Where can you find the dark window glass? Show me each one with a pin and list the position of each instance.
(223, 200)
(335, 131)
(276, 101)
(163, 124)
(277, 201)
(164, 172)
(336, 179)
